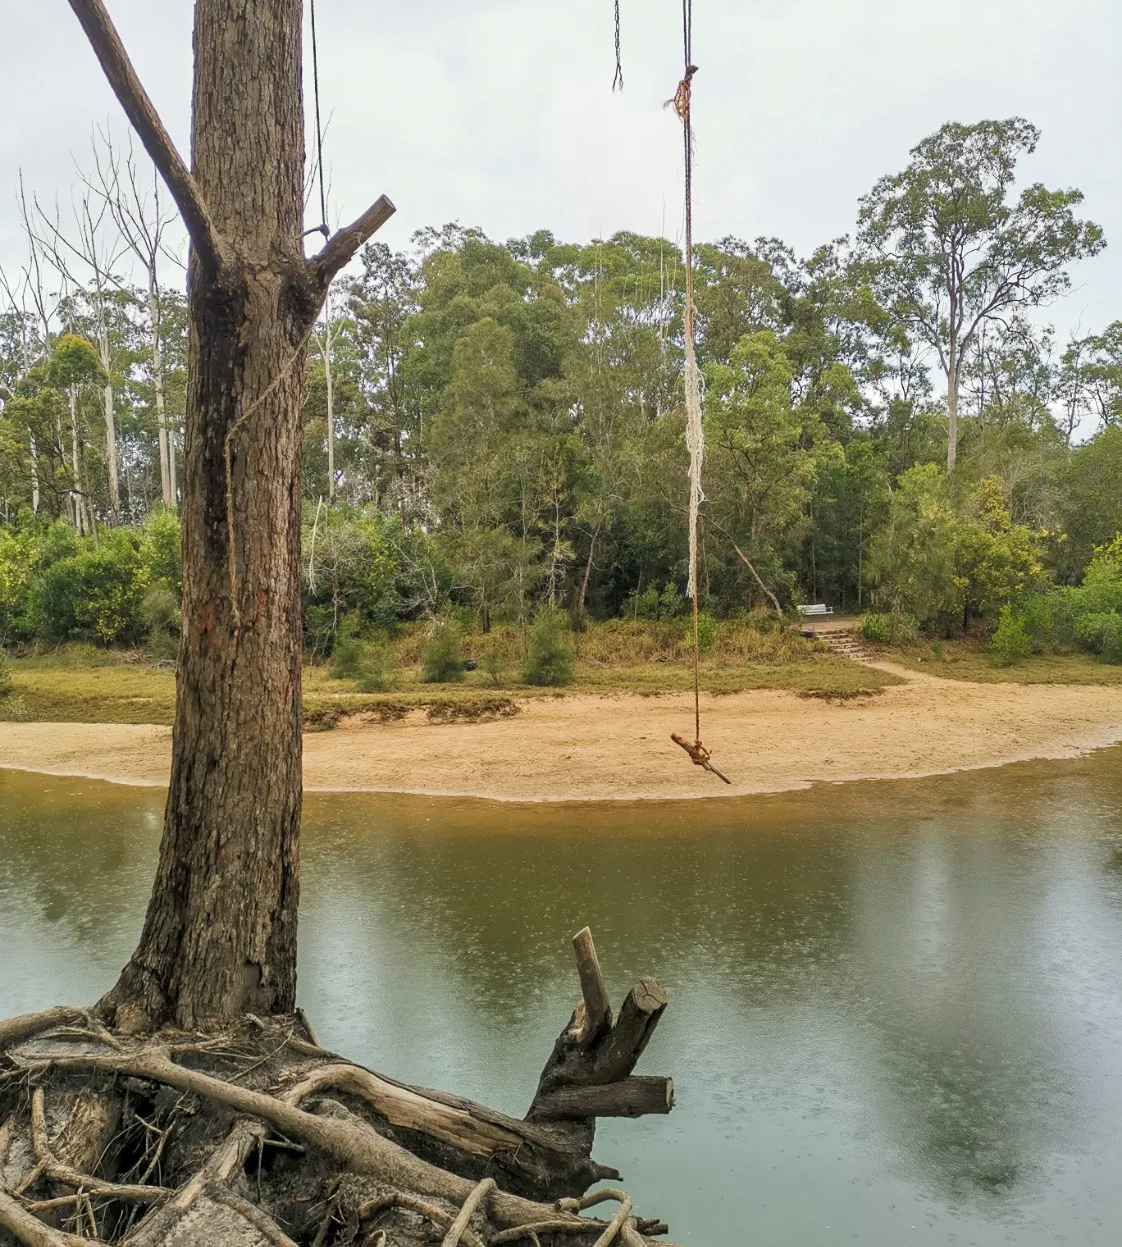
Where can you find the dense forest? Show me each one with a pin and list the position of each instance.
(494, 429)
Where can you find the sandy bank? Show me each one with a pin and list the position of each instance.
(610, 748)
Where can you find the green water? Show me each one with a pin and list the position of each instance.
(895, 1009)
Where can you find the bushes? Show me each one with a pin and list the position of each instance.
(95, 594)
(1101, 633)
(441, 659)
(549, 661)
(5, 674)
(160, 614)
(890, 629)
(1010, 642)
(706, 631)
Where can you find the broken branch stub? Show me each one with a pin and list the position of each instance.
(588, 1074)
(597, 1014)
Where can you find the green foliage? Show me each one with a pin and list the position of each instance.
(549, 661)
(5, 673)
(946, 554)
(706, 631)
(377, 668)
(347, 659)
(442, 657)
(1101, 633)
(95, 594)
(160, 551)
(508, 432)
(654, 603)
(159, 613)
(888, 629)
(491, 664)
(1010, 642)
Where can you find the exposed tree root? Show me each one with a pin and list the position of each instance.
(256, 1137)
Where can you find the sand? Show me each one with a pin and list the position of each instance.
(598, 748)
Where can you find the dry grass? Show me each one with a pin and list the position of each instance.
(81, 683)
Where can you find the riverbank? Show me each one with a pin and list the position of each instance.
(617, 747)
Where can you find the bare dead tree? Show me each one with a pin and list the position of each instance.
(90, 246)
(143, 219)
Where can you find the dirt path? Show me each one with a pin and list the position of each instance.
(607, 748)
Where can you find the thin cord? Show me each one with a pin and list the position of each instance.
(319, 125)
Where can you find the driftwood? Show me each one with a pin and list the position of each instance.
(260, 1138)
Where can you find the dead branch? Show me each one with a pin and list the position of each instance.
(15, 1030)
(636, 1096)
(30, 1231)
(615, 1225)
(743, 558)
(407, 1109)
(359, 1149)
(222, 1164)
(459, 1227)
(262, 1222)
(597, 1016)
(400, 1199)
(133, 98)
(343, 245)
(52, 1167)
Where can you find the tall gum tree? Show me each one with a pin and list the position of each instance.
(948, 249)
(219, 938)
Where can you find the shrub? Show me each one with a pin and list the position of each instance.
(706, 631)
(347, 662)
(159, 612)
(94, 594)
(491, 664)
(1101, 631)
(5, 674)
(1010, 642)
(550, 661)
(160, 551)
(441, 659)
(377, 671)
(890, 629)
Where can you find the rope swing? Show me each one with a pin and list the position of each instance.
(695, 434)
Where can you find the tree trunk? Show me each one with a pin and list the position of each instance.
(75, 466)
(166, 490)
(952, 409)
(34, 474)
(329, 382)
(219, 938)
(588, 568)
(111, 455)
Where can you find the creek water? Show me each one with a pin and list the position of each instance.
(895, 1007)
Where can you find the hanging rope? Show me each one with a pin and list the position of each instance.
(695, 435)
(617, 81)
(322, 227)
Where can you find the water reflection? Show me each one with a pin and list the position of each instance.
(894, 1007)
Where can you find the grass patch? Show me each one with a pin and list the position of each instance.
(841, 697)
(83, 684)
(971, 660)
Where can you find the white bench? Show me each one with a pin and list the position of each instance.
(819, 608)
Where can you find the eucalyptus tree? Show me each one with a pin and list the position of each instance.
(1090, 381)
(950, 246)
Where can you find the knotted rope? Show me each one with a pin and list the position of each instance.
(695, 433)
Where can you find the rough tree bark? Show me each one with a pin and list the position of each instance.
(219, 938)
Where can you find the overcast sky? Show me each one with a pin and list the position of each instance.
(499, 113)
